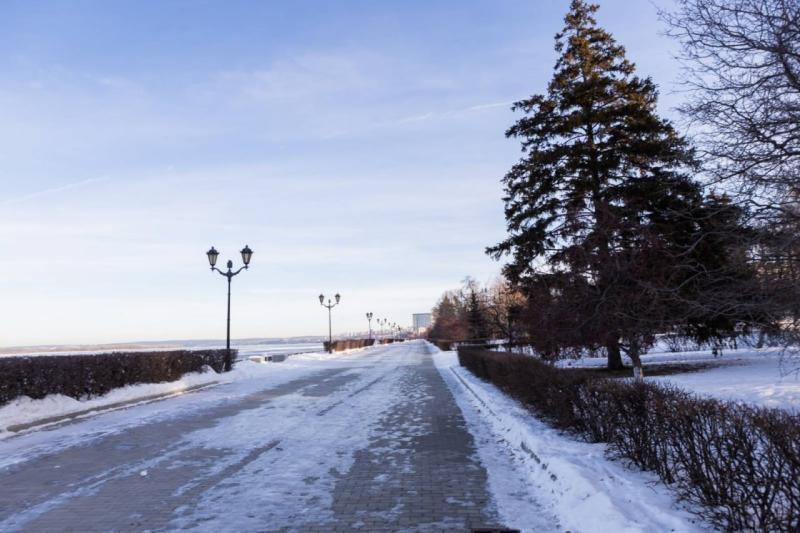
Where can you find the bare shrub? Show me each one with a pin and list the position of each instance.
(740, 463)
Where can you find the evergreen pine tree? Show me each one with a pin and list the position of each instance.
(478, 327)
(598, 197)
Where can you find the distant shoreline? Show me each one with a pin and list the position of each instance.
(44, 349)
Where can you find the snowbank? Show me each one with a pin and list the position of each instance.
(573, 480)
(756, 381)
(748, 375)
(25, 410)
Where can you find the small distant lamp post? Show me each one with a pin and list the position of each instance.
(213, 254)
(369, 319)
(329, 306)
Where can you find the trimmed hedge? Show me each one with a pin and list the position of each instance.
(740, 463)
(447, 345)
(348, 344)
(443, 345)
(82, 376)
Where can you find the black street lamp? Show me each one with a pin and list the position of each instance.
(369, 319)
(212, 254)
(329, 306)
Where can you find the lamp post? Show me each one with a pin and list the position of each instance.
(369, 319)
(329, 306)
(212, 254)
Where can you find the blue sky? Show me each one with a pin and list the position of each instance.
(356, 146)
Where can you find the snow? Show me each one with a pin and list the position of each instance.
(247, 378)
(273, 462)
(757, 381)
(540, 479)
(755, 376)
(24, 410)
(573, 481)
(300, 490)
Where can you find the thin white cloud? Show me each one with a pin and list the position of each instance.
(488, 106)
(52, 190)
(422, 117)
(416, 118)
(302, 77)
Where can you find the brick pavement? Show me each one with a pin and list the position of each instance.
(417, 472)
(420, 471)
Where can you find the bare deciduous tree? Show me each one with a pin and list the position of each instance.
(504, 307)
(742, 60)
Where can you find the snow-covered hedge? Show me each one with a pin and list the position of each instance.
(83, 376)
(740, 463)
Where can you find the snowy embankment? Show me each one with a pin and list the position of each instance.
(52, 409)
(759, 377)
(755, 380)
(582, 489)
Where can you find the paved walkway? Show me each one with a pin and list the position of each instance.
(375, 445)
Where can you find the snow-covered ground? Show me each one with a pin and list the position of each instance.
(275, 452)
(24, 410)
(578, 486)
(759, 377)
(267, 430)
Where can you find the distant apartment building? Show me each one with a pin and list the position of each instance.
(421, 322)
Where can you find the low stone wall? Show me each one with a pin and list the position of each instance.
(347, 344)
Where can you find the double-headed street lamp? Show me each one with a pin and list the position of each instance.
(212, 254)
(329, 306)
(369, 319)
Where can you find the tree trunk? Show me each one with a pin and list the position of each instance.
(638, 371)
(510, 335)
(614, 355)
(760, 342)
